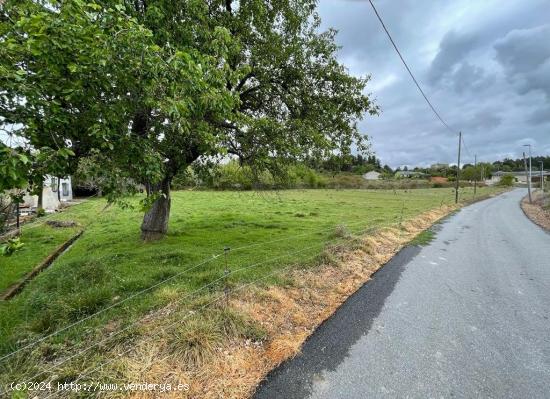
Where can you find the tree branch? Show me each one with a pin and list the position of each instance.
(244, 80)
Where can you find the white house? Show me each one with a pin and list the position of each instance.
(372, 175)
(519, 176)
(55, 192)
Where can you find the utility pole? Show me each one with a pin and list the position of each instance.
(529, 173)
(458, 167)
(475, 174)
(529, 185)
(541, 176)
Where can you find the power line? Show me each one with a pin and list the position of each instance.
(409, 70)
(466, 148)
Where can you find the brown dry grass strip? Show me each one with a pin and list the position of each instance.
(289, 314)
(536, 211)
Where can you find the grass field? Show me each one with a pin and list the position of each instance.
(109, 263)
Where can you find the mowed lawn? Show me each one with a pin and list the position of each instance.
(265, 230)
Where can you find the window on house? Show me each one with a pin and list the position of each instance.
(54, 184)
(65, 187)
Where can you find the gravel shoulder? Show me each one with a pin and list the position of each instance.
(539, 210)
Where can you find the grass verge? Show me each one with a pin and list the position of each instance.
(109, 265)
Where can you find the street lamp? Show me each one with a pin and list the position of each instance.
(529, 173)
(541, 176)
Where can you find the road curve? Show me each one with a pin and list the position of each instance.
(466, 316)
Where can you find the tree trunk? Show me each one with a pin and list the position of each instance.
(40, 204)
(59, 189)
(155, 220)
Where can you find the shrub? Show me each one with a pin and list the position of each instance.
(185, 178)
(11, 246)
(506, 181)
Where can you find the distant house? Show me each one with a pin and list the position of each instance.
(54, 192)
(410, 174)
(520, 176)
(372, 175)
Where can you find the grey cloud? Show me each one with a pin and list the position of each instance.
(473, 77)
(483, 120)
(453, 48)
(450, 46)
(525, 57)
(540, 116)
(522, 50)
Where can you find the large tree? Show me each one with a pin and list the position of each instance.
(194, 80)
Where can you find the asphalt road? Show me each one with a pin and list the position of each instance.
(466, 316)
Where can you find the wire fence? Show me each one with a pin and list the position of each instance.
(218, 283)
(221, 279)
(159, 332)
(164, 281)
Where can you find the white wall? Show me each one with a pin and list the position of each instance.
(371, 175)
(50, 200)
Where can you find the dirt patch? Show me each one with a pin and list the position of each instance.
(538, 211)
(61, 223)
(287, 314)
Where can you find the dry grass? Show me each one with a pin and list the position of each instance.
(226, 351)
(538, 211)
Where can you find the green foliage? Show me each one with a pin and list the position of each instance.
(424, 238)
(506, 181)
(148, 88)
(509, 165)
(234, 176)
(347, 162)
(109, 263)
(11, 246)
(15, 167)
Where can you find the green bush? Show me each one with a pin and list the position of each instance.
(185, 178)
(506, 181)
(11, 246)
(233, 176)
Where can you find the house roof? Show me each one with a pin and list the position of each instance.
(534, 173)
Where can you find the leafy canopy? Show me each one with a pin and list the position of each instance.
(147, 87)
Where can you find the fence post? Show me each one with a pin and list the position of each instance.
(226, 274)
(400, 226)
(401, 216)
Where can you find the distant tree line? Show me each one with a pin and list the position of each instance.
(357, 164)
(513, 165)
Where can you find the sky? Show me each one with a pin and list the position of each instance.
(484, 65)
